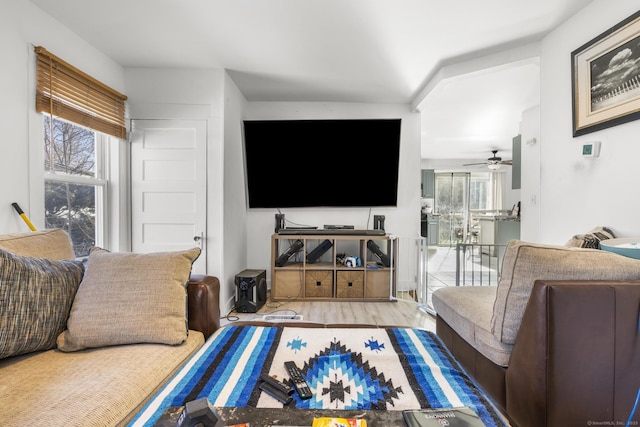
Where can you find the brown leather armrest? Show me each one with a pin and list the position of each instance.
(576, 357)
(204, 303)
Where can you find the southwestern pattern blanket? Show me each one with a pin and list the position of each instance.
(346, 368)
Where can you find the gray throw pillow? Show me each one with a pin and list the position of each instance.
(128, 298)
(35, 298)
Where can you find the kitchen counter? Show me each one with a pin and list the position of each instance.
(497, 230)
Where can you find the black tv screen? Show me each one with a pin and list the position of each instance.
(315, 163)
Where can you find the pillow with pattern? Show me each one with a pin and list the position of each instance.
(35, 299)
(592, 239)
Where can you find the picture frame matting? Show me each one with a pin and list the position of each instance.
(606, 78)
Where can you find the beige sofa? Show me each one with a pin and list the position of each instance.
(91, 353)
(557, 341)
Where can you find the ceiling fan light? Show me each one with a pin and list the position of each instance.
(494, 166)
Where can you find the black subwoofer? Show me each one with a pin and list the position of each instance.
(251, 290)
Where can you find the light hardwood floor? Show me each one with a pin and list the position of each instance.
(392, 313)
(441, 273)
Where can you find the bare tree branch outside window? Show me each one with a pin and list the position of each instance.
(70, 206)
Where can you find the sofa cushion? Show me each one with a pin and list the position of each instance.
(35, 299)
(467, 310)
(90, 388)
(591, 239)
(127, 298)
(52, 244)
(524, 263)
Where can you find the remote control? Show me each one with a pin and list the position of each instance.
(277, 384)
(298, 380)
(274, 392)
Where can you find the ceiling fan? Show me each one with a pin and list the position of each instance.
(494, 162)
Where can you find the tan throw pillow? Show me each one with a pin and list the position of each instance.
(524, 263)
(52, 244)
(127, 298)
(35, 299)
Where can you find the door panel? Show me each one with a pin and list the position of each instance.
(168, 186)
(452, 206)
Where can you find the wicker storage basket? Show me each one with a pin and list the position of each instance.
(350, 284)
(318, 284)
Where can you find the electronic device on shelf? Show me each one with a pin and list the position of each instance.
(384, 258)
(336, 232)
(378, 222)
(302, 227)
(338, 227)
(291, 251)
(314, 255)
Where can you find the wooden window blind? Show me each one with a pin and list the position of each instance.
(66, 92)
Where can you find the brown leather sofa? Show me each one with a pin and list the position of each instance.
(203, 293)
(575, 359)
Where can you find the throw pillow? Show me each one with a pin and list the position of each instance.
(524, 263)
(127, 298)
(52, 244)
(35, 299)
(592, 239)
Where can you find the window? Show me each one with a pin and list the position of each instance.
(75, 182)
(79, 114)
(479, 192)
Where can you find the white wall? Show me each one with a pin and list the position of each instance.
(530, 176)
(579, 193)
(23, 26)
(403, 220)
(234, 206)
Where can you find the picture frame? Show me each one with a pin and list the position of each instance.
(606, 78)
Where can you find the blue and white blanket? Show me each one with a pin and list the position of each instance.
(370, 368)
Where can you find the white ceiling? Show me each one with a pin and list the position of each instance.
(372, 51)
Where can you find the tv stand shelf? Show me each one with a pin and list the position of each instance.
(326, 277)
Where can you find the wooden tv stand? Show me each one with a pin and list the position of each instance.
(328, 278)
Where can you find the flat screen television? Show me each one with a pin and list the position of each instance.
(322, 163)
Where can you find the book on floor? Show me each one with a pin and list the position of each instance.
(450, 417)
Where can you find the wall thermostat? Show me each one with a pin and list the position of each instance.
(591, 149)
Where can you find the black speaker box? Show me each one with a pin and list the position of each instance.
(314, 255)
(251, 290)
(378, 222)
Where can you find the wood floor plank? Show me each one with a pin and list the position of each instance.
(391, 313)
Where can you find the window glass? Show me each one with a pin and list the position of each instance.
(72, 150)
(72, 207)
(73, 185)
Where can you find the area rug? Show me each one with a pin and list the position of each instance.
(346, 368)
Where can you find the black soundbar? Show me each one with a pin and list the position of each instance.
(314, 255)
(332, 232)
(292, 250)
(384, 258)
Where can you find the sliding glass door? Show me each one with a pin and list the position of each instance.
(452, 207)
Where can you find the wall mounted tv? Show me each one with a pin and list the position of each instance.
(316, 163)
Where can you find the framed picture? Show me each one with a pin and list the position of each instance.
(606, 78)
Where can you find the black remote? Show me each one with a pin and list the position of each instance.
(277, 384)
(274, 392)
(298, 380)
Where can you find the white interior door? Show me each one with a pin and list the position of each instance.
(168, 186)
